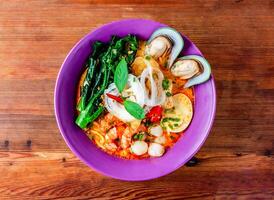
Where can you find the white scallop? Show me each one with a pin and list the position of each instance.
(156, 150)
(139, 148)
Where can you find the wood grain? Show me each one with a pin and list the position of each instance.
(236, 162)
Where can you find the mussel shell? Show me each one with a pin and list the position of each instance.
(175, 37)
(205, 71)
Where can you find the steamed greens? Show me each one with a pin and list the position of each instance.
(101, 67)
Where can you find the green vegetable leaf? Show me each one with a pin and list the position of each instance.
(147, 57)
(168, 94)
(107, 56)
(139, 136)
(134, 109)
(121, 75)
(165, 84)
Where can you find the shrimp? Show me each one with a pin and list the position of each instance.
(111, 134)
(126, 138)
(111, 146)
(107, 122)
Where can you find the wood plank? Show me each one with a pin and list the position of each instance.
(236, 162)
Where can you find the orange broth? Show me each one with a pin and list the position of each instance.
(107, 121)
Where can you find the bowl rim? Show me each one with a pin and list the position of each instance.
(78, 154)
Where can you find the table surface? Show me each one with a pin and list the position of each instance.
(237, 38)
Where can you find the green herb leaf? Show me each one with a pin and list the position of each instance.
(165, 84)
(170, 126)
(136, 136)
(167, 119)
(134, 109)
(147, 57)
(172, 137)
(121, 75)
(139, 136)
(168, 94)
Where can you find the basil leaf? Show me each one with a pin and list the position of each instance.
(165, 84)
(121, 75)
(134, 109)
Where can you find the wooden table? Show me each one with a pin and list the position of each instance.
(237, 37)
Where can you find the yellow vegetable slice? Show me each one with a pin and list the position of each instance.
(180, 117)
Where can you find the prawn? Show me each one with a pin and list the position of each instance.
(126, 138)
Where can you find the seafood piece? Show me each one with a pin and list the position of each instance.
(160, 140)
(192, 67)
(156, 130)
(111, 134)
(159, 46)
(185, 69)
(126, 138)
(165, 43)
(156, 150)
(139, 148)
(111, 146)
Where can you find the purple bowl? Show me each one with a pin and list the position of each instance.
(79, 143)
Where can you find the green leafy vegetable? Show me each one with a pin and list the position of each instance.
(86, 85)
(166, 119)
(86, 91)
(121, 75)
(134, 109)
(84, 118)
(107, 57)
(168, 94)
(165, 84)
(170, 126)
(139, 136)
(147, 57)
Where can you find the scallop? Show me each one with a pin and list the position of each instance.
(139, 148)
(156, 130)
(156, 150)
(165, 41)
